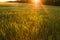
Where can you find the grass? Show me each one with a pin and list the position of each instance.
(27, 22)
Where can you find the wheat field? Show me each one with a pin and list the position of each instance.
(22, 21)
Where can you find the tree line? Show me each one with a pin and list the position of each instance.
(51, 2)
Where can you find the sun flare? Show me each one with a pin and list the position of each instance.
(35, 1)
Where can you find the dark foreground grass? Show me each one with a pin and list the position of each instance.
(26, 22)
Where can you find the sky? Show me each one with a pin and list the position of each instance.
(6, 0)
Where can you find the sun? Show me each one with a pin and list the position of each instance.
(35, 1)
(6, 0)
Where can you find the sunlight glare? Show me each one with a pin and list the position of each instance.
(36, 4)
(35, 1)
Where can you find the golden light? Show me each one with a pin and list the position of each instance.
(35, 1)
(6, 0)
(36, 4)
